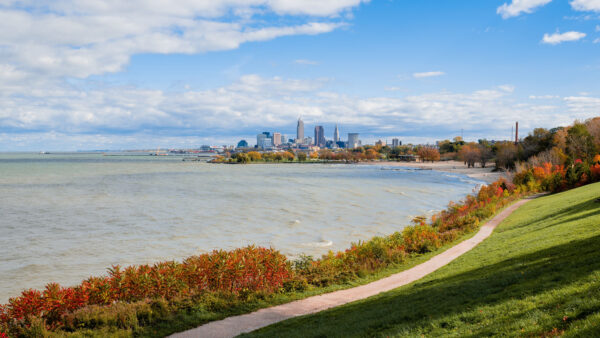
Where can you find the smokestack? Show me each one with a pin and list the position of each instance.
(517, 133)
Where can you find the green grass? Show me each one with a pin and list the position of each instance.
(537, 275)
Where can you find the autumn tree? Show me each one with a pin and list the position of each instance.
(301, 157)
(325, 154)
(593, 127)
(428, 153)
(254, 156)
(485, 154)
(559, 138)
(506, 155)
(288, 156)
(470, 154)
(580, 144)
(371, 154)
(242, 158)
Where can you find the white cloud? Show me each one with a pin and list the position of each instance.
(543, 97)
(586, 5)
(394, 89)
(306, 62)
(597, 28)
(68, 38)
(507, 88)
(557, 37)
(427, 74)
(517, 7)
(587, 105)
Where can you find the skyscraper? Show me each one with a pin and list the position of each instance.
(300, 130)
(264, 140)
(276, 139)
(396, 143)
(336, 135)
(352, 140)
(319, 136)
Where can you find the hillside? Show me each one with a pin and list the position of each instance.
(537, 275)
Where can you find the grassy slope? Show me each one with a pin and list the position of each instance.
(538, 273)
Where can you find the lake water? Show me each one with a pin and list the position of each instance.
(68, 216)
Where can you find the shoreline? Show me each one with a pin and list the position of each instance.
(483, 174)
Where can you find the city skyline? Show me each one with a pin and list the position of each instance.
(275, 139)
(181, 74)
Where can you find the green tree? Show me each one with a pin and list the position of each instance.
(580, 143)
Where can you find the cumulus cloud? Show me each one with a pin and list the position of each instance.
(556, 38)
(68, 38)
(517, 7)
(427, 74)
(586, 5)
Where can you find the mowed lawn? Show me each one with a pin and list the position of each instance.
(537, 275)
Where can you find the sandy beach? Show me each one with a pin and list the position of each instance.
(485, 174)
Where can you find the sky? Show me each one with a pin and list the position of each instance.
(112, 74)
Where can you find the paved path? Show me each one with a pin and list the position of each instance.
(233, 326)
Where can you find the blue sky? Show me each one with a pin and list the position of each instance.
(143, 74)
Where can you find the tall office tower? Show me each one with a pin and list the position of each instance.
(276, 139)
(396, 143)
(352, 140)
(320, 136)
(336, 135)
(300, 130)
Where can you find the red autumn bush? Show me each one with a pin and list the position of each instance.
(558, 177)
(249, 268)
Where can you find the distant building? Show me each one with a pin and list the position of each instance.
(320, 136)
(396, 143)
(276, 139)
(336, 134)
(381, 143)
(262, 141)
(242, 144)
(353, 141)
(341, 144)
(300, 130)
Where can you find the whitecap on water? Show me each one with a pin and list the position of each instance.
(395, 191)
(320, 244)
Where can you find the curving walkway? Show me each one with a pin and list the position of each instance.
(233, 326)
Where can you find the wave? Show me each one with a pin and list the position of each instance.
(321, 244)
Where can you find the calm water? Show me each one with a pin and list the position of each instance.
(66, 217)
